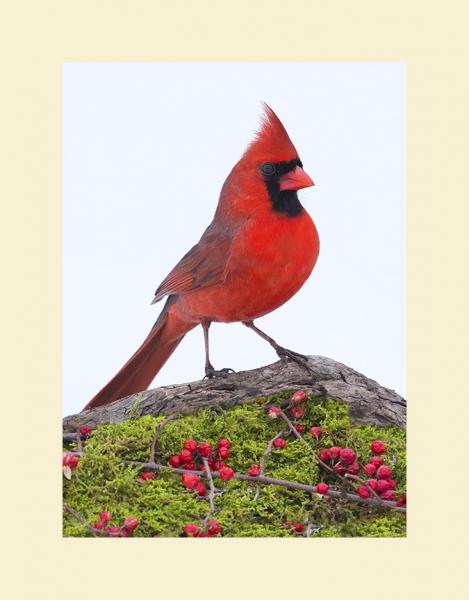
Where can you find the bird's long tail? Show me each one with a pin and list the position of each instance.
(139, 371)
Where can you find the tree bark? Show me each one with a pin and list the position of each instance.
(369, 402)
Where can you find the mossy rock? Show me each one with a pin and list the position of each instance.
(102, 482)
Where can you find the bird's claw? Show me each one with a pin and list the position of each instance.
(299, 359)
(210, 373)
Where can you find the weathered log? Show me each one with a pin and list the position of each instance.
(369, 402)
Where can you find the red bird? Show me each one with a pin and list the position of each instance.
(255, 255)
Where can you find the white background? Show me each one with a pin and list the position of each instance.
(146, 150)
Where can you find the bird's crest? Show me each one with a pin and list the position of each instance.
(271, 141)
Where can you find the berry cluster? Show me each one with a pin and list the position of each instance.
(70, 460)
(343, 461)
(213, 528)
(125, 530)
(192, 458)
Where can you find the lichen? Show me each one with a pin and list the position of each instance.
(102, 482)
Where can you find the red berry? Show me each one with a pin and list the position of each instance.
(175, 461)
(105, 517)
(369, 468)
(114, 531)
(353, 469)
(335, 451)
(363, 491)
(191, 530)
(74, 460)
(388, 495)
(85, 431)
(219, 465)
(185, 456)
(147, 476)
(382, 485)
(377, 461)
(384, 472)
(224, 443)
(339, 469)
(299, 397)
(322, 488)
(70, 460)
(315, 432)
(392, 484)
(279, 443)
(130, 523)
(254, 471)
(300, 427)
(273, 412)
(325, 454)
(226, 473)
(223, 452)
(213, 527)
(99, 525)
(297, 412)
(373, 484)
(377, 447)
(190, 445)
(298, 527)
(190, 481)
(200, 490)
(204, 449)
(401, 501)
(348, 455)
(190, 467)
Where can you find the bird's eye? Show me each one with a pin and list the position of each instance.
(268, 169)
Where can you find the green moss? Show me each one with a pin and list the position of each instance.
(103, 482)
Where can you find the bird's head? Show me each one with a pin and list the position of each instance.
(270, 170)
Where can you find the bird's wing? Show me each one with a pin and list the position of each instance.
(202, 266)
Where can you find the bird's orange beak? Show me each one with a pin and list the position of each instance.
(295, 180)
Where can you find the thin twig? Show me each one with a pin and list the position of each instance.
(266, 453)
(156, 437)
(300, 437)
(211, 495)
(79, 518)
(312, 528)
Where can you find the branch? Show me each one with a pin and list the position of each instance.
(78, 517)
(211, 495)
(268, 450)
(369, 402)
(293, 485)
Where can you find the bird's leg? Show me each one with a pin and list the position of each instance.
(282, 352)
(209, 370)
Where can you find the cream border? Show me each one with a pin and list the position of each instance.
(37, 38)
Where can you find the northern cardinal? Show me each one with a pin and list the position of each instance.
(255, 255)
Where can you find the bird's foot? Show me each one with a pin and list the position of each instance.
(210, 372)
(300, 359)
